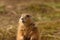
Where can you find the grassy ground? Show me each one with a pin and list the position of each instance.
(46, 15)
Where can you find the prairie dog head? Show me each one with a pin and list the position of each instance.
(26, 19)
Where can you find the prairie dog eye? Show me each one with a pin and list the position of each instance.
(27, 15)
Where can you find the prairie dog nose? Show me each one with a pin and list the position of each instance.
(22, 18)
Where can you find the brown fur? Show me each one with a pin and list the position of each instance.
(27, 31)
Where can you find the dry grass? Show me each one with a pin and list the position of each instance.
(45, 15)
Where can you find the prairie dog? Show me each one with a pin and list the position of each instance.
(27, 29)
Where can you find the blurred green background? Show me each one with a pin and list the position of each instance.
(46, 14)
